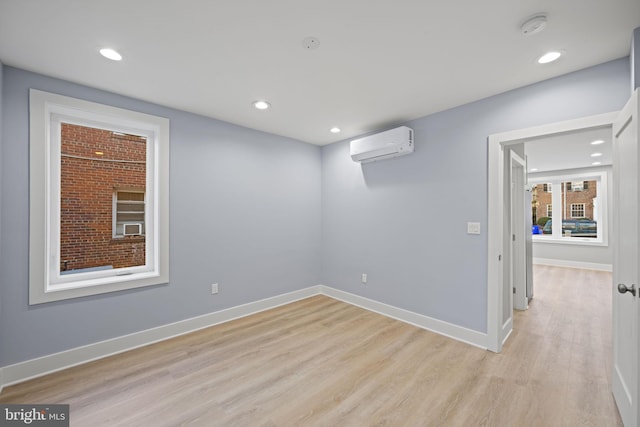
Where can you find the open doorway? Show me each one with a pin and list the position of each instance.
(569, 176)
(500, 258)
(566, 205)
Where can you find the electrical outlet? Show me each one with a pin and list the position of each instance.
(214, 288)
(364, 277)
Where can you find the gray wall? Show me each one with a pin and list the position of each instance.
(1, 193)
(580, 253)
(635, 59)
(403, 221)
(263, 215)
(245, 212)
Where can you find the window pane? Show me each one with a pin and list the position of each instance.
(94, 163)
(130, 216)
(541, 208)
(128, 196)
(577, 210)
(129, 213)
(130, 207)
(579, 207)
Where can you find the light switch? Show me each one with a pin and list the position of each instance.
(473, 228)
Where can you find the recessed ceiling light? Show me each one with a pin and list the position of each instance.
(261, 105)
(597, 142)
(335, 130)
(596, 163)
(110, 54)
(549, 57)
(533, 170)
(596, 155)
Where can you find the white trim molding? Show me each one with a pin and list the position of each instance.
(29, 369)
(573, 264)
(459, 333)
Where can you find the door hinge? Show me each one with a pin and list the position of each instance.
(514, 290)
(514, 237)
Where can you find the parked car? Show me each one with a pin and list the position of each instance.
(575, 228)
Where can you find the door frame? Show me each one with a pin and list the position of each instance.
(498, 330)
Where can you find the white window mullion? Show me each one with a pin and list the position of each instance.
(556, 217)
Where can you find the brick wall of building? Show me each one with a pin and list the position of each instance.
(94, 164)
(586, 196)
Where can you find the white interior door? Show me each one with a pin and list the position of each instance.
(518, 236)
(528, 241)
(625, 263)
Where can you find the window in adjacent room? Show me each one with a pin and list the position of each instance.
(581, 202)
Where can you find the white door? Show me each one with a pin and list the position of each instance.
(518, 239)
(625, 263)
(528, 241)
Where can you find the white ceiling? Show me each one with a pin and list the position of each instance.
(570, 150)
(379, 63)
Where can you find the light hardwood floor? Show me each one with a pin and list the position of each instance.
(326, 363)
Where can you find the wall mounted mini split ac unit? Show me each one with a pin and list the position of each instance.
(384, 145)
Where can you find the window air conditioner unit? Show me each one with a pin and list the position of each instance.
(132, 229)
(385, 145)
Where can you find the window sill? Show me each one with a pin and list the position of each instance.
(580, 241)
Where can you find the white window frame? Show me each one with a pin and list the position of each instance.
(600, 210)
(550, 208)
(571, 210)
(46, 283)
(577, 185)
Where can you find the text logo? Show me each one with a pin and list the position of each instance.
(34, 415)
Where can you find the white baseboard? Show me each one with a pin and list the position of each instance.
(573, 264)
(459, 333)
(29, 369)
(23, 371)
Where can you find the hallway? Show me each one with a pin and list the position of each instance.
(564, 346)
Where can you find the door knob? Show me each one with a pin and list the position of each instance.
(622, 288)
